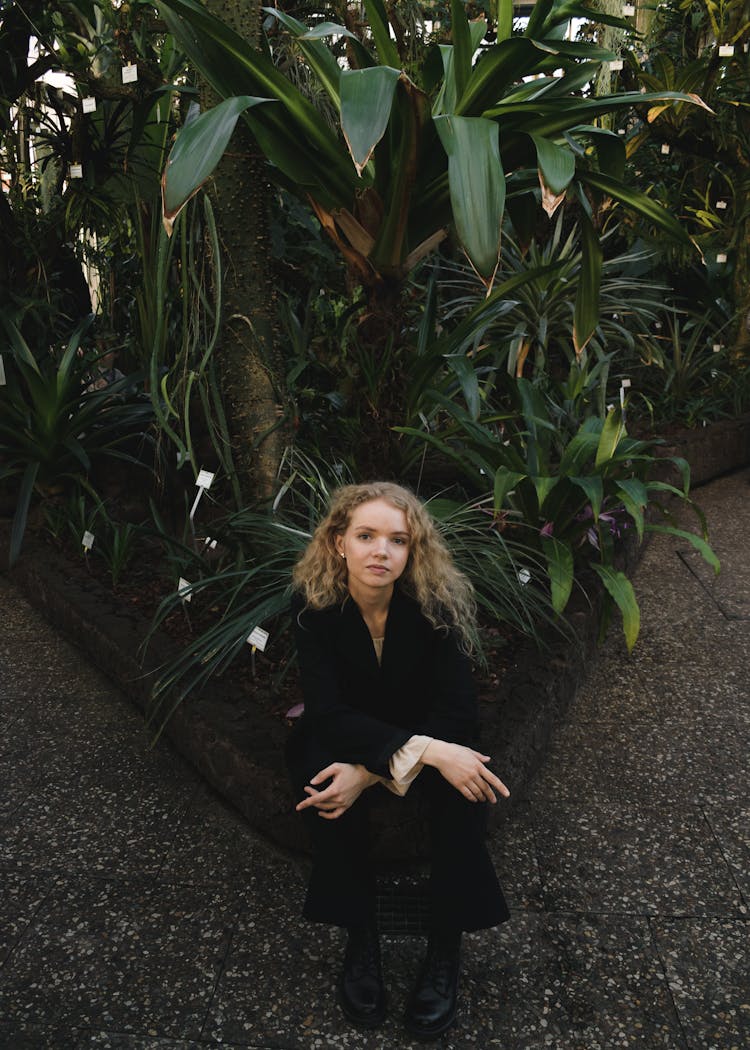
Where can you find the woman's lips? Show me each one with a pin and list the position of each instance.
(379, 569)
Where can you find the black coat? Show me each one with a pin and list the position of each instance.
(357, 710)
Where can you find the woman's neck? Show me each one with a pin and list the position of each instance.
(373, 607)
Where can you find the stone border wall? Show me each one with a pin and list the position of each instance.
(238, 746)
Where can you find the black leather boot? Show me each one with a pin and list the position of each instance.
(361, 989)
(432, 1006)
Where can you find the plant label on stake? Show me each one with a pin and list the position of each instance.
(721, 205)
(87, 541)
(628, 10)
(257, 639)
(129, 73)
(665, 148)
(721, 257)
(208, 542)
(183, 590)
(624, 385)
(203, 481)
(726, 50)
(76, 171)
(615, 65)
(717, 348)
(89, 104)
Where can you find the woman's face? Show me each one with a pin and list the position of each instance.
(376, 547)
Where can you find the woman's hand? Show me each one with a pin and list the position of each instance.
(466, 770)
(347, 784)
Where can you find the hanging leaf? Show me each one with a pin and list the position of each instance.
(477, 186)
(462, 50)
(198, 148)
(621, 589)
(610, 436)
(559, 558)
(557, 164)
(586, 313)
(366, 103)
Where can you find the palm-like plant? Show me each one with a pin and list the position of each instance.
(413, 154)
(52, 427)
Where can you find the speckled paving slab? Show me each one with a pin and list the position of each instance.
(42, 1037)
(22, 894)
(90, 826)
(513, 851)
(663, 860)
(731, 826)
(613, 988)
(708, 968)
(130, 956)
(672, 762)
(280, 992)
(214, 845)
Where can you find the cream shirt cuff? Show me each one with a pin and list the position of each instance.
(406, 763)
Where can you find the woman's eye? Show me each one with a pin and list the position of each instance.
(400, 541)
(363, 536)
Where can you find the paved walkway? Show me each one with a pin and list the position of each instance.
(137, 911)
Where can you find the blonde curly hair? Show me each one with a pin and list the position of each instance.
(444, 595)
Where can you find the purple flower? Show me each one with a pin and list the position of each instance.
(548, 529)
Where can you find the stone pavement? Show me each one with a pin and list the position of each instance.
(137, 911)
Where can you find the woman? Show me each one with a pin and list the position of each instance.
(383, 621)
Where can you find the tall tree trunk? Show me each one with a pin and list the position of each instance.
(248, 355)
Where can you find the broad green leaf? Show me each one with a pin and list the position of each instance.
(594, 489)
(366, 103)
(586, 312)
(612, 431)
(505, 481)
(621, 590)
(462, 51)
(697, 541)
(574, 49)
(466, 374)
(543, 487)
(501, 66)
(378, 19)
(557, 164)
(504, 19)
(198, 148)
(477, 186)
(320, 59)
(610, 149)
(638, 202)
(634, 497)
(579, 450)
(559, 558)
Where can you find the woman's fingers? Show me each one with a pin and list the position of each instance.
(324, 774)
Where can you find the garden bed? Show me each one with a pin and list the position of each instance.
(235, 736)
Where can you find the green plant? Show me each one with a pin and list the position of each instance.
(413, 152)
(573, 493)
(685, 373)
(257, 591)
(52, 428)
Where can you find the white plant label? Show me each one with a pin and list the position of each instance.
(524, 576)
(625, 384)
(76, 171)
(88, 540)
(129, 73)
(258, 638)
(204, 479)
(721, 205)
(183, 589)
(721, 257)
(615, 65)
(717, 348)
(628, 10)
(665, 148)
(89, 104)
(3, 380)
(208, 542)
(621, 131)
(726, 50)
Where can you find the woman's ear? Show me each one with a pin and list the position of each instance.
(338, 542)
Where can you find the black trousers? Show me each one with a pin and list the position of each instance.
(464, 891)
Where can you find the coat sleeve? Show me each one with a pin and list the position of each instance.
(452, 713)
(350, 734)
